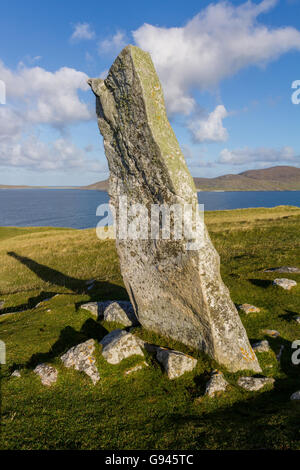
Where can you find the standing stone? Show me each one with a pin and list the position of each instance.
(174, 284)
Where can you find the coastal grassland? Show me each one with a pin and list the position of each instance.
(144, 410)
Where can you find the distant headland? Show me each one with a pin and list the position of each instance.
(276, 178)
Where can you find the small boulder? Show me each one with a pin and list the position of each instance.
(175, 363)
(118, 311)
(136, 368)
(248, 308)
(216, 384)
(92, 307)
(286, 284)
(261, 346)
(295, 396)
(271, 333)
(297, 319)
(253, 384)
(81, 358)
(118, 345)
(16, 373)
(48, 374)
(283, 269)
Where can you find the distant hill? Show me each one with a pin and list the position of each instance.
(276, 178)
(101, 186)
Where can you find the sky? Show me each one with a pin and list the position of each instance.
(227, 71)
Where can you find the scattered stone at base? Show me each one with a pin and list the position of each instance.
(286, 284)
(297, 319)
(248, 308)
(295, 396)
(118, 345)
(16, 373)
(175, 363)
(261, 346)
(253, 384)
(48, 374)
(216, 384)
(81, 358)
(118, 311)
(283, 269)
(272, 333)
(136, 368)
(92, 307)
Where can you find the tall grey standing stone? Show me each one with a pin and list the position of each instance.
(176, 291)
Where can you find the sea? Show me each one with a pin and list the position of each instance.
(76, 208)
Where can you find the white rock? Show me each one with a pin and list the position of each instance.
(297, 319)
(272, 333)
(81, 358)
(261, 346)
(48, 374)
(286, 284)
(283, 269)
(295, 396)
(248, 308)
(16, 373)
(118, 345)
(253, 384)
(92, 307)
(216, 384)
(136, 368)
(119, 311)
(175, 363)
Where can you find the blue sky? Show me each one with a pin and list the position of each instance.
(226, 68)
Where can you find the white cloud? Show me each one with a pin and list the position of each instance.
(47, 97)
(261, 154)
(210, 129)
(112, 45)
(36, 96)
(82, 31)
(218, 42)
(33, 154)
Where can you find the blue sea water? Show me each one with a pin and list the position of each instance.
(76, 208)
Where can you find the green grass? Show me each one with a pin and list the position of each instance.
(144, 410)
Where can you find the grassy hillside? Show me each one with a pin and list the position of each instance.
(144, 410)
(277, 178)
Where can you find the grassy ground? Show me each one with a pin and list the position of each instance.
(144, 410)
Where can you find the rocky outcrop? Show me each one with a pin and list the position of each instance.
(81, 358)
(173, 282)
